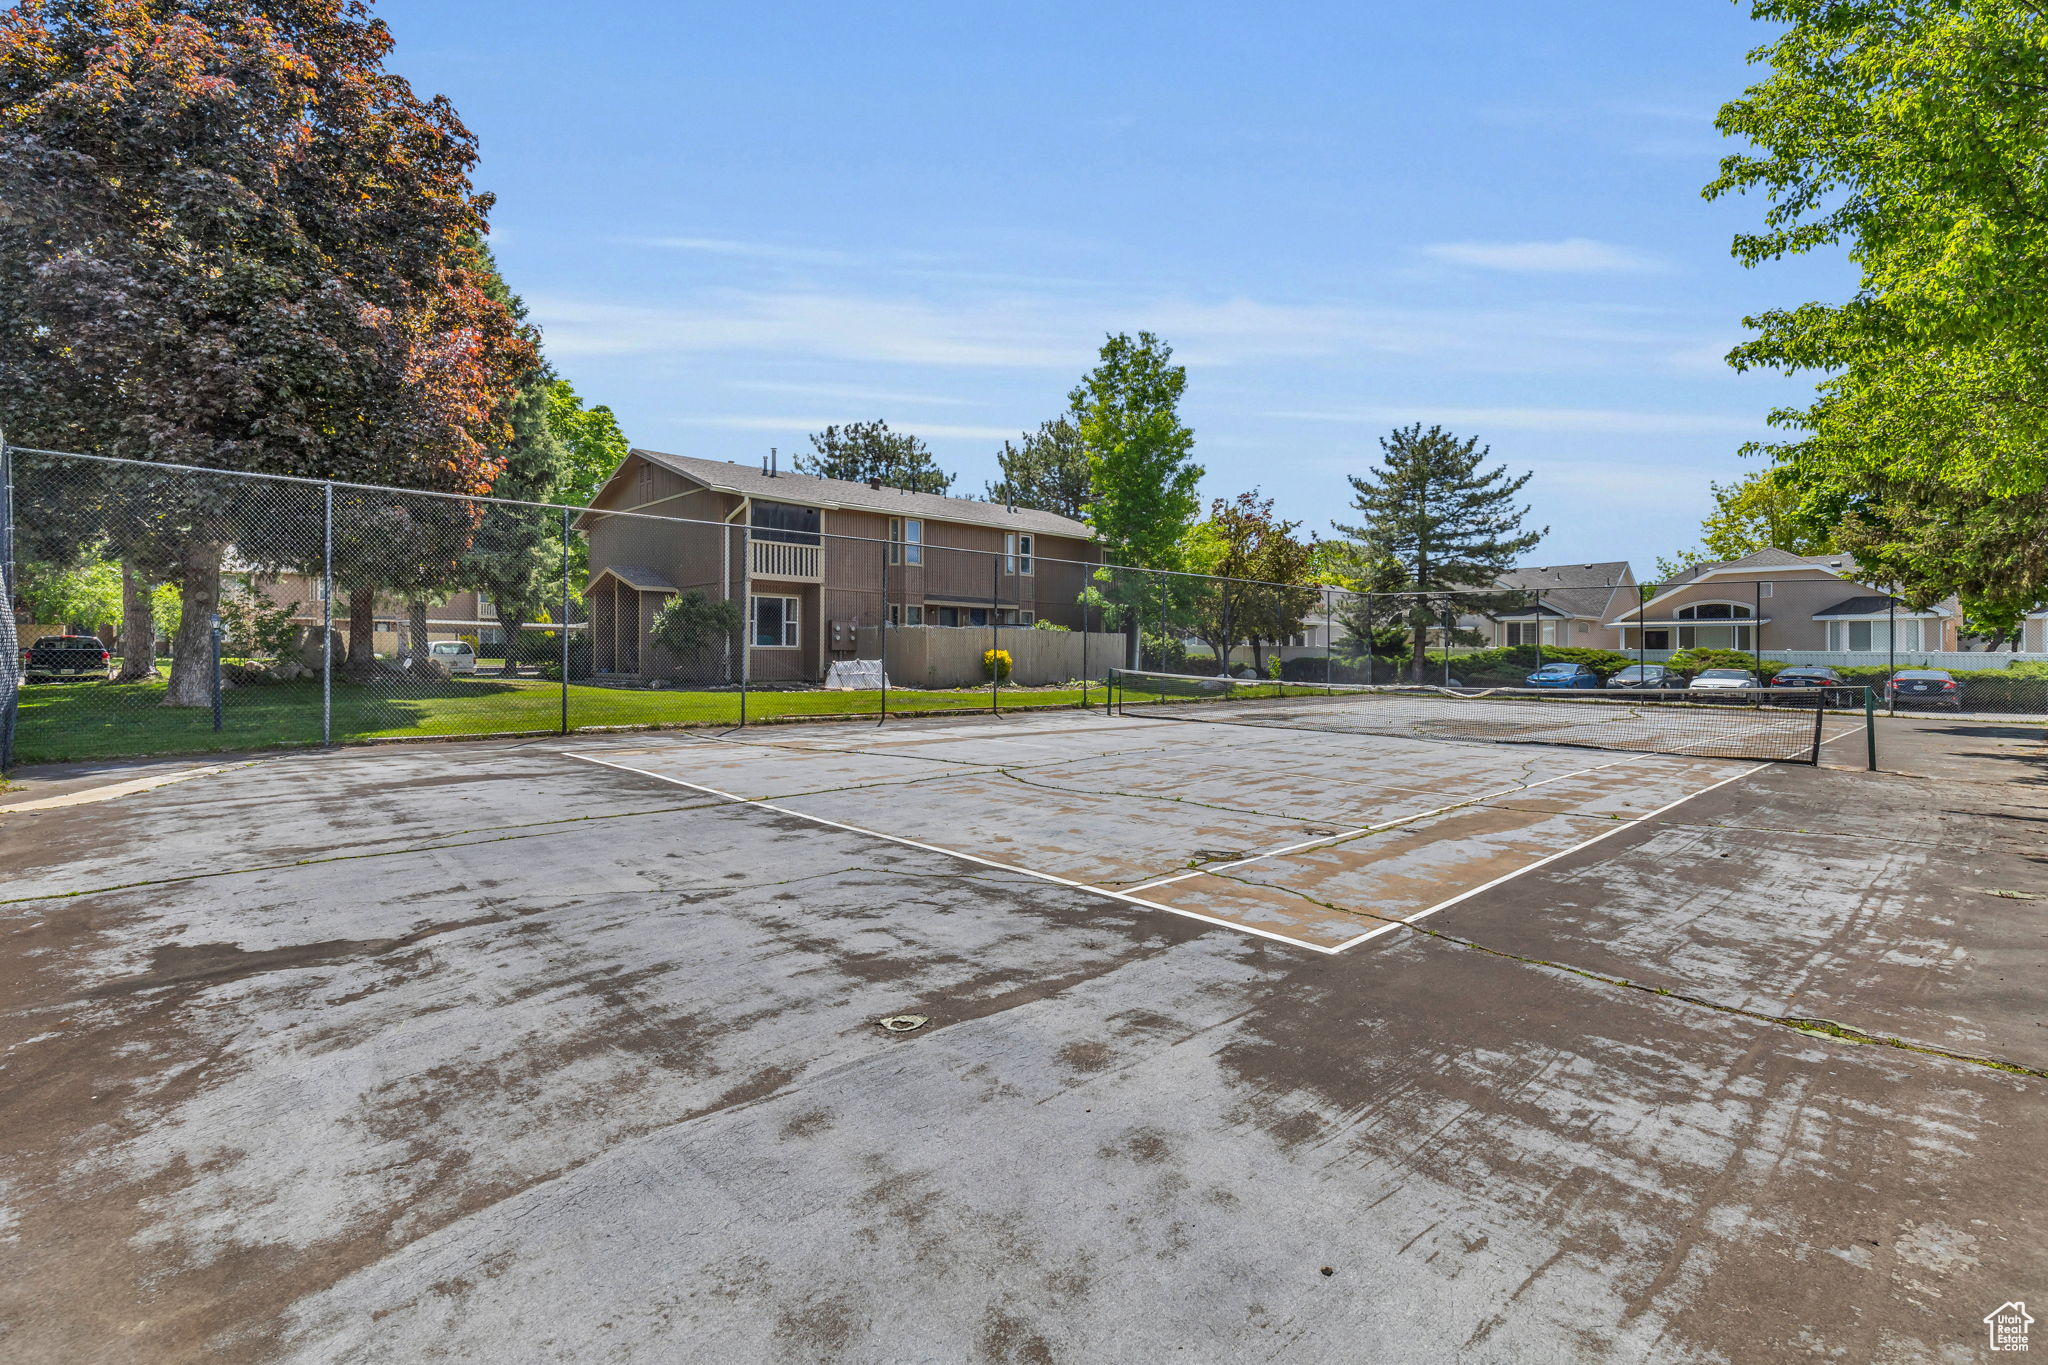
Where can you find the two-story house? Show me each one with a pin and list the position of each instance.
(812, 561)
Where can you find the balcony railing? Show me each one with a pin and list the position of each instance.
(781, 559)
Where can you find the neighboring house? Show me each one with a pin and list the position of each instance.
(1775, 601)
(450, 617)
(1567, 604)
(809, 559)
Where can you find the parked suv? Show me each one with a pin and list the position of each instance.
(58, 657)
(1647, 677)
(454, 655)
(1924, 687)
(1563, 675)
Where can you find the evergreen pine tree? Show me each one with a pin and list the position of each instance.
(1048, 471)
(863, 452)
(1434, 524)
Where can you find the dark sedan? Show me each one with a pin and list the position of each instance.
(1835, 689)
(1924, 687)
(1648, 677)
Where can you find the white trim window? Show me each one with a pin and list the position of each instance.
(1017, 552)
(776, 621)
(1871, 636)
(906, 540)
(1732, 624)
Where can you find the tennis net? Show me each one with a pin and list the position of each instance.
(1776, 724)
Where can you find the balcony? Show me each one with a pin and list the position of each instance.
(781, 559)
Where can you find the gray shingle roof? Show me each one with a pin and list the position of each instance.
(1769, 558)
(1569, 589)
(1876, 606)
(812, 491)
(633, 576)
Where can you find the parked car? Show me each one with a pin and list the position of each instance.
(1834, 689)
(1924, 687)
(1563, 675)
(1647, 677)
(454, 655)
(55, 658)
(1723, 680)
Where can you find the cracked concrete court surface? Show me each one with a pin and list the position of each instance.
(1243, 1045)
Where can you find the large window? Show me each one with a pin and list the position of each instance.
(1871, 637)
(906, 540)
(775, 623)
(1729, 636)
(785, 522)
(1017, 553)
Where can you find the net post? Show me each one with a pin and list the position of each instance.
(1869, 730)
(563, 617)
(327, 615)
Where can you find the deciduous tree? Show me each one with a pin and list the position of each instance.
(230, 237)
(1913, 134)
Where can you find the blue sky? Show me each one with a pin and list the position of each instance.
(736, 224)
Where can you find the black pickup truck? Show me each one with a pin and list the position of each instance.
(56, 657)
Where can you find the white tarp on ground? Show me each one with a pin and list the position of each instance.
(855, 675)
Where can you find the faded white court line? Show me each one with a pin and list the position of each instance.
(1131, 898)
(1340, 837)
(107, 793)
(1124, 896)
(1540, 862)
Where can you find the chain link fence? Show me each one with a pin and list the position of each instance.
(160, 609)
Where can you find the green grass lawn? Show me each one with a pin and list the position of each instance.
(60, 722)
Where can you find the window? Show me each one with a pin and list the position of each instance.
(1766, 589)
(785, 522)
(1521, 632)
(1715, 611)
(906, 540)
(905, 616)
(1656, 639)
(1871, 637)
(1016, 553)
(775, 622)
(1014, 617)
(1580, 627)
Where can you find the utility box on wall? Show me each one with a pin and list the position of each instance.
(843, 637)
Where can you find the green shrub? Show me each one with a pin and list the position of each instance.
(1694, 661)
(1512, 663)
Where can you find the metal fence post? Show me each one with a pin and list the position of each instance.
(564, 618)
(1084, 647)
(888, 549)
(213, 635)
(995, 639)
(1891, 646)
(10, 663)
(1756, 632)
(1870, 729)
(1642, 642)
(327, 616)
(1329, 636)
(1447, 643)
(1369, 645)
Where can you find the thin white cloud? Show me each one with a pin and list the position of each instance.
(1571, 256)
(763, 251)
(809, 424)
(1603, 421)
(851, 392)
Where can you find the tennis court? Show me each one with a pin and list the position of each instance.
(1240, 1039)
(1281, 818)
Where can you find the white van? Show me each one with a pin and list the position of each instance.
(454, 655)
